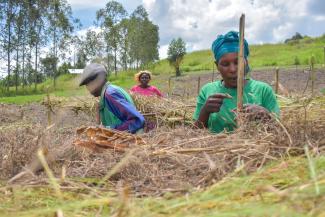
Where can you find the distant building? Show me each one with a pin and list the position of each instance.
(75, 71)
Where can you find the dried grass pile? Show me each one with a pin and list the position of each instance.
(164, 111)
(178, 160)
(76, 104)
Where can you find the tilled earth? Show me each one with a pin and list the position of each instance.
(295, 82)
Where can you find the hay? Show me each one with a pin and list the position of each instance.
(164, 111)
(183, 159)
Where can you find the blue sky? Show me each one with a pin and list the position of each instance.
(198, 22)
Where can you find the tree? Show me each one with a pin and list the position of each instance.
(90, 46)
(176, 52)
(8, 11)
(108, 19)
(48, 65)
(60, 29)
(144, 38)
(296, 37)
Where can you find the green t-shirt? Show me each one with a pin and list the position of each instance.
(255, 92)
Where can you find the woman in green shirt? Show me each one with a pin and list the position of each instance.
(217, 100)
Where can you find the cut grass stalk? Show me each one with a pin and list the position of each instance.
(312, 169)
(49, 173)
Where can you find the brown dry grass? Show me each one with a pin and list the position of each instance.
(177, 158)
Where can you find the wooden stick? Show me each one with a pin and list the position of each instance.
(312, 63)
(277, 80)
(241, 64)
(324, 56)
(169, 86)
(49, 118)
(198, 84)
(212, 80)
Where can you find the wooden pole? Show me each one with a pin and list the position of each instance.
(324, 56)
(241, 64)
(169, 86)
(212, 72)
(49, 118)
(276, 80)
(198, 85)
(312, 64)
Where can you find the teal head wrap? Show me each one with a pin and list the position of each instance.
(228, 43)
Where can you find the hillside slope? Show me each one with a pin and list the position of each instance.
(260, 56)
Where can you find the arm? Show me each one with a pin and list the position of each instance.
(131, 119)
(212, 104)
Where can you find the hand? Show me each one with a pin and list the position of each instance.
(255, 112)
(214, 103)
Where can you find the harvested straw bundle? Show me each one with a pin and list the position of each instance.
(163, 111)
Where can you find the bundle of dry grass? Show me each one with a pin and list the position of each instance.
(76, 104)
(164, 111)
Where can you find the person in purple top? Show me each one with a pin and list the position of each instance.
(116, 108)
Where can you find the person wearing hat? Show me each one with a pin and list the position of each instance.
(144, 77)
(116, 108)
(217, 101)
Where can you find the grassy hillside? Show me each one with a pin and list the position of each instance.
(260, 56)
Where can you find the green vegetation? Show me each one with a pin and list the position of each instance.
(267, 55)
(280, 189)
(176, 52)
(66, 85)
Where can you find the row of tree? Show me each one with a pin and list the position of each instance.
(28, 28)
(38, 37)
(124, 41)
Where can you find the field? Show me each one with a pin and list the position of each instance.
(273, 169)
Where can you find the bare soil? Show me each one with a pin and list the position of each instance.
(297, 82)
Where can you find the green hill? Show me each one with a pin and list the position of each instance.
(265, 55)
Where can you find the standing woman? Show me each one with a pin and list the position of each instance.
(217, 101)
(143, 88)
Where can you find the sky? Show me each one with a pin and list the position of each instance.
(199, 22)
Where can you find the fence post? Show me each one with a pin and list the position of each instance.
(169, 86)
(198, 85)
(49, 118)
(276, 80)
(212, 72)
(324, 56)
(312, 65)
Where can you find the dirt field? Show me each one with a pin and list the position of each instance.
(294, 82)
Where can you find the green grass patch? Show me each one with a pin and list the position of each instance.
(279, 189)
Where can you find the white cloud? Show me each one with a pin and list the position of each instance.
(199, 22)
(163, 51)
